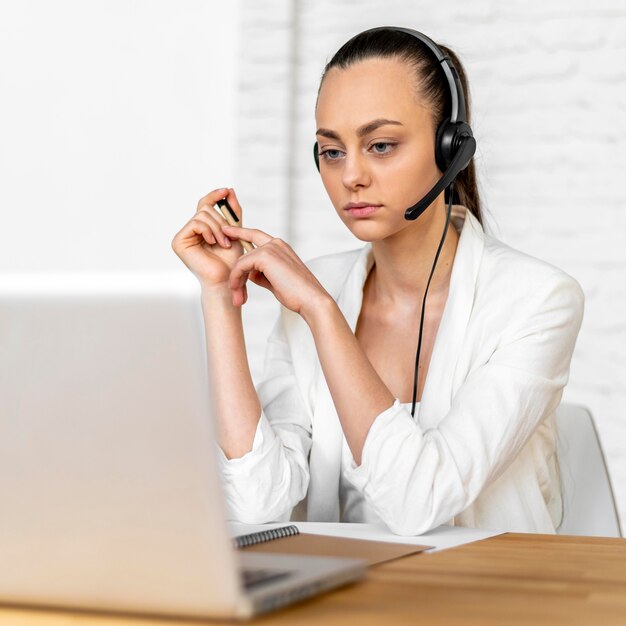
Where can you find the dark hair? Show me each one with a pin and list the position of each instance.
(431, 86)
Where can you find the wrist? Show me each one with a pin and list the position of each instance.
(214, 288)
(218, 294)
(318, 309)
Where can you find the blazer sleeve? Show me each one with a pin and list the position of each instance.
(440, 471)
(268, 481)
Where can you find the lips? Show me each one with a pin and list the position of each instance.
(361, 209)
(359, 205)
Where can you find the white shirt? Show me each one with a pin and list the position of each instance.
(481, 452)
(352, 504)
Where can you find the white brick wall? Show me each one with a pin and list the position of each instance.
(548, 87)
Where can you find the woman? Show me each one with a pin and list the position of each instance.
(331, 432)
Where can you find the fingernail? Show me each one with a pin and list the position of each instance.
(221, 189)
(227, 241)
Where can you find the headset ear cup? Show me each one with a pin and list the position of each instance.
(316, 156)
(448, 140)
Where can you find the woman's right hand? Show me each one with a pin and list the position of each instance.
(203, 247)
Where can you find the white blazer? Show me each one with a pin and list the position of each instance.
(482, 451)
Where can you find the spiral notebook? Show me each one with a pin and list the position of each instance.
(289, 540)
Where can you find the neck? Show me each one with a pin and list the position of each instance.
(403, 261)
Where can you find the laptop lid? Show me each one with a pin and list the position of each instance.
(109, 491)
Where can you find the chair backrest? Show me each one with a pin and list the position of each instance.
(588, 496)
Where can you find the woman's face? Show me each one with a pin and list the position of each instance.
(376, 144)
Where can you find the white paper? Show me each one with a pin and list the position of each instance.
(440, 538)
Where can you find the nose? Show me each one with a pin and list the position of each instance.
(355, 172)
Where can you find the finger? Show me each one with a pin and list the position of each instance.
(258, 278)
(215, 214)
(217, 221)
(242, 268)
(199, 227)
(240, 295)
(212, 197)
(192, 232)
(253, 235)
(222, 214)
(207, 217)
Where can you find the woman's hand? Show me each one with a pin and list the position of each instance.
(202, 245)
(275, 266)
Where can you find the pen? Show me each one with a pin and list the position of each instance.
(230, 216)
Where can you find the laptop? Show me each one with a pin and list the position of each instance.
(110, 493)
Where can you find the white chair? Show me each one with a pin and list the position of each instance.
(588, 496)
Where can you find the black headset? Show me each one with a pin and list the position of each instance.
(454, 142)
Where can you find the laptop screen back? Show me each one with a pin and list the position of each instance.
(109, 492)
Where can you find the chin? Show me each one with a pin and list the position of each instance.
(368, 233)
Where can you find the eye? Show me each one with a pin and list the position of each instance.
(383, 145)
(382, 148)
(330, 154)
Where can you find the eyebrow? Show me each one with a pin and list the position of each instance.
(361, 131)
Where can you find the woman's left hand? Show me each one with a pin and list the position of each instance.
(275, 266)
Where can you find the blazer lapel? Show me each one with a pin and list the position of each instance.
(439, 388)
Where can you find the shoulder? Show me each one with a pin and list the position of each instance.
(510, 276)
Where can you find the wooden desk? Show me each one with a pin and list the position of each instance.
(510, 579)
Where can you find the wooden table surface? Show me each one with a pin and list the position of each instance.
(509, 579)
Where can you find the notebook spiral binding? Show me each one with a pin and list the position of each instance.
(243, 541)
